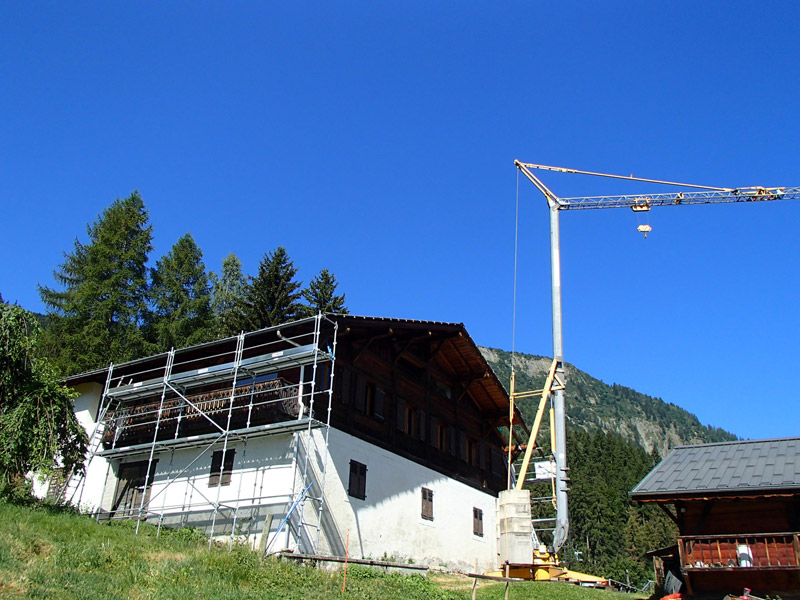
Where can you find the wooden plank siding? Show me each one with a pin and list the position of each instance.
(428, 412)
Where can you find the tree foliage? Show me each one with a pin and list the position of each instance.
(607, 528)
(229, 297)
(38, 428)
(272, 297)
(97, 316)
(321, 296)
(181, 296)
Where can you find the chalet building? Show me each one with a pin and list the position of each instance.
(383, 435)
(737, 507)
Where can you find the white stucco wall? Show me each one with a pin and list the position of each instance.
(388, 523)
(389, 520)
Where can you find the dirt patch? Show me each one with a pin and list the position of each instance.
(163, 556)
(11, 588)
(453, 581)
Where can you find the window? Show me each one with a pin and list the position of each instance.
(472, 452)
(221, 469)
(410, 421)
(442, 438)
(369, 408)
(477, 522)
(427, 504)
(358, 480)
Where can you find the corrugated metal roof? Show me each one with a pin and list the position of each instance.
(745, 467)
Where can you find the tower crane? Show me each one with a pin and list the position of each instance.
(556, 381)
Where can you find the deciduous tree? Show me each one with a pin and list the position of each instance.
(38, 428)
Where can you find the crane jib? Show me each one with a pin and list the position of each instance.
(754, 194)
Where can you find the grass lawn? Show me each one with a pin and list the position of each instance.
(48, 553)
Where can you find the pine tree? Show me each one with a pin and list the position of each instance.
(96, 317)
(229, 296)
(272, 297)
(181, 295)
(321, 295)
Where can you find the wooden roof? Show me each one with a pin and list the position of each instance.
(446, 347)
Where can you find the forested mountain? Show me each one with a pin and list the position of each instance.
(596, 406)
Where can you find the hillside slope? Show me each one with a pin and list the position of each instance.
(48, 553)
(593, 405)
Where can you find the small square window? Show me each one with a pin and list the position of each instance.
(358, 480)
(221, 469)
(477, 522)
(427, 504)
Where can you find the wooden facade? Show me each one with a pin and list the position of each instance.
(425, 392)
(745, 533)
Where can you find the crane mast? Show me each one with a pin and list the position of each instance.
(554, 387)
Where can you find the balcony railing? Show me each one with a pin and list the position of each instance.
(264, 402)
(773, 551)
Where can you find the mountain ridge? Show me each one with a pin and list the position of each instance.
(593, 405)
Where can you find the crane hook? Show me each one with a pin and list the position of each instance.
(645, 229)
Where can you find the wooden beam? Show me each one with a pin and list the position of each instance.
(668, 512)
(369, 342)
(415, 340)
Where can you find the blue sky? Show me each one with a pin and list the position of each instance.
(377, 140)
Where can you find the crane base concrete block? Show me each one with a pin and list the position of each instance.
(514, 526)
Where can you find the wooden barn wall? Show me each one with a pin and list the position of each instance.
(733, 516)
(405, 408)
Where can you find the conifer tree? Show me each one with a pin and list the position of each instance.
(229, 296)
(181, 295)
(272, 297)
(321, 295)
(96, 317)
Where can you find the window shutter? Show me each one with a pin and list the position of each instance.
(380, 400)
(361, 392)
(477, 522)
(427, 504)
(345, 375)
(227, 467)
(400, 421)
(462, 446)
(216, 466)
(357, 487)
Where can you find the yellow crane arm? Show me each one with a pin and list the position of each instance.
(546, 391)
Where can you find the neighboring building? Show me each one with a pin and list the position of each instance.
(737, 507)
(388, 433)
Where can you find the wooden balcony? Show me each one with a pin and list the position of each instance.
(758, 551)
(767, 563)
(135, 422)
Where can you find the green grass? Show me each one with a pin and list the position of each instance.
(49, 553)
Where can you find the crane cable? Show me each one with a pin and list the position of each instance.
(514, 302)
(513, 342)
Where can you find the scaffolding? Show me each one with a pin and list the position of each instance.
(277, 380)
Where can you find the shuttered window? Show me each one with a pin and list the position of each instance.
(427, 504)
(221, 469)
(477, 522)
(357, 487)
